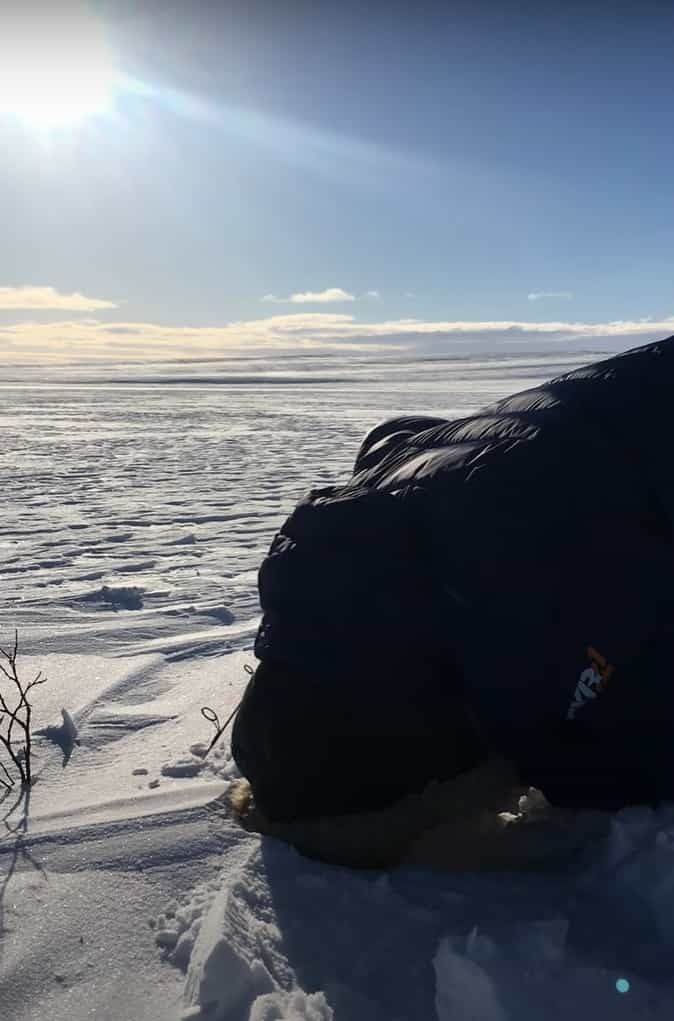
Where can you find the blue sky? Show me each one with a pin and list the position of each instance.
(451, 164)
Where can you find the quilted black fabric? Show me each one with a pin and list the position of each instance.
(500, 582)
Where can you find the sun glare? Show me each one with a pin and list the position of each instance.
(55, 65)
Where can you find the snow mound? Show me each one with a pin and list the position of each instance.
(218, 763)
(118, 597)
(177, 928)
(295, 1006)
(184, 767)
(129, 598)
(237, 965)
(63, 734)
(221, 613)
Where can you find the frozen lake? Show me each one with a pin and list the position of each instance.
(135, 512)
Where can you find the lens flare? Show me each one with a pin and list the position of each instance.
(55, 65)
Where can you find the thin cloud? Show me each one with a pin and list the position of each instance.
(372, 294)
(331, 295)
(541, 295)
(49, 299)
(92, 340)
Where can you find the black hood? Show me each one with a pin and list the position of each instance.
(347, 585)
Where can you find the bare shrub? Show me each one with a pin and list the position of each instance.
(15, 716)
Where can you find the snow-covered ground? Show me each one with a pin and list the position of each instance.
(137, 505)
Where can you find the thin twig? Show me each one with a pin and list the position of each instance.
(9, 783)
(13, 756)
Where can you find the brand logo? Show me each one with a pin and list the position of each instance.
(592, 681)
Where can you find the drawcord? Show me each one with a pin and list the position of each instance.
(212, 717)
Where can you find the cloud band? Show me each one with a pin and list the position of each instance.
(90, 339)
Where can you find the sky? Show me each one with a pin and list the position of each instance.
(191, 179)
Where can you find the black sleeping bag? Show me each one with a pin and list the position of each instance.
(500, 584)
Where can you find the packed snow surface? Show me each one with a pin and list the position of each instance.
(137, 506)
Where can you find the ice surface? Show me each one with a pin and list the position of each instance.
(141, 512)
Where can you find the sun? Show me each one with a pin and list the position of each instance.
(55, 65)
